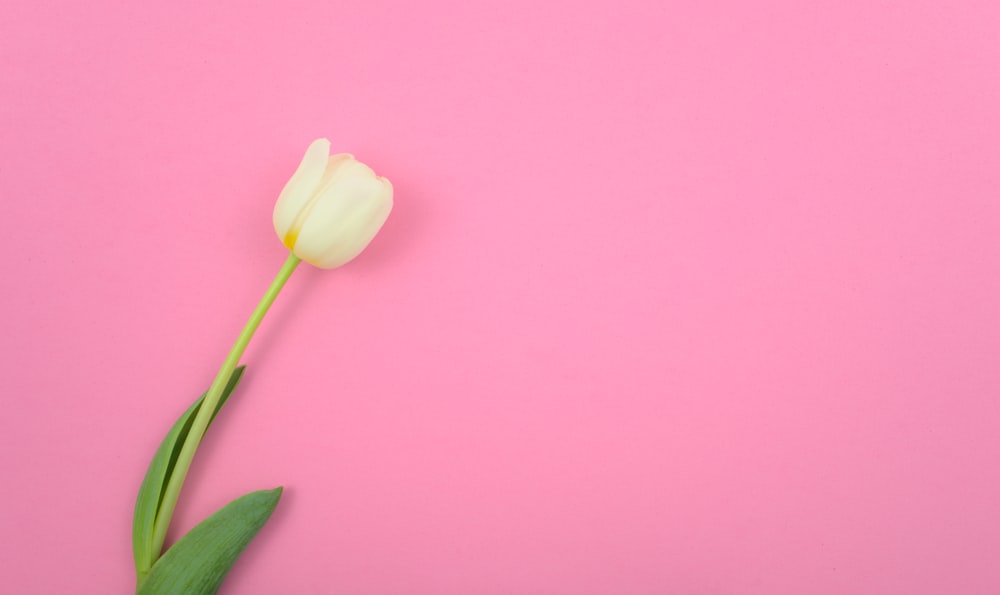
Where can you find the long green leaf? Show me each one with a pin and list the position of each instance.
(147, 504)
(197, 564)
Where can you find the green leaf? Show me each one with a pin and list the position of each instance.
(147, 504)
(197, 564)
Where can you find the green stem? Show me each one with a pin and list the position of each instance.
(200, 424)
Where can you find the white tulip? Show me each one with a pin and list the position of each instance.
(331, 208)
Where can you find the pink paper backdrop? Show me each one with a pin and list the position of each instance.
(678, 297)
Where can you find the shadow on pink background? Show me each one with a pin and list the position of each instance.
(678, 297)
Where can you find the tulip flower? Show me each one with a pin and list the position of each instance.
(327, 213)
(331, 208)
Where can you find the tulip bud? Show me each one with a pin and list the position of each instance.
(331, 208)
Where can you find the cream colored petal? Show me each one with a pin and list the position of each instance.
(333, 165)
(301, 186)
(343, 165)
(345, 219)
(386, 186)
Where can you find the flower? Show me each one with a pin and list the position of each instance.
(331, 208)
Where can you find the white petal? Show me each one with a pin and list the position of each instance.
(345, 219)
(343, 165)
(335, 164)
(303, 183)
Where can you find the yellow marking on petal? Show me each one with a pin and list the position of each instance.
(290, 238)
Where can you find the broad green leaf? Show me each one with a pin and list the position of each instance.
(147, 504)
(197, 564)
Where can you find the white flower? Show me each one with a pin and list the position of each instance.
(331, 208)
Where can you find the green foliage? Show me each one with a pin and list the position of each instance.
(147, 505)
(197, 564)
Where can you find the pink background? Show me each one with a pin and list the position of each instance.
(678, 297)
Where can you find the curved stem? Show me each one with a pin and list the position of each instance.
(201, 420)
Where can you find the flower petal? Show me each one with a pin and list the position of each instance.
(303, 183)
(344, 221)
